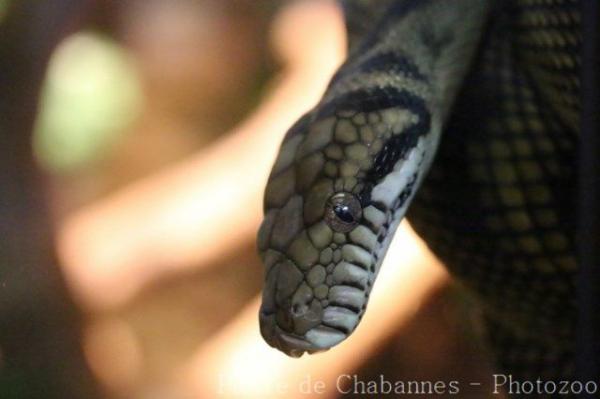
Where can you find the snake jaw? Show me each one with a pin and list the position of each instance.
(317, 339)
(291, 317)
(291, 344)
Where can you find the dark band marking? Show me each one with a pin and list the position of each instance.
(398, 146)
(340, 329)
(392, 63)
(359, 245)
(406, 193)
(399, 202)
(380, 206)
(373, 99)
(352, 284)
(366, 201)
(346, 306)
(361, 265)
(368, 224)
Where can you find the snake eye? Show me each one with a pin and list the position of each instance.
(343, 212)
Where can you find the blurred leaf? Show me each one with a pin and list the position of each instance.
(90, 95)
(3, 7)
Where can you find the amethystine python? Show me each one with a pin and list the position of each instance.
(495, 86)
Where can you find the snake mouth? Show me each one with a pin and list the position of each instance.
(317, 339)
(315, 309)
(296, 318)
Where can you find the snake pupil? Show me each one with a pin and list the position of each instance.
(343, 212)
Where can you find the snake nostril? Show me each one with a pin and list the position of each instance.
(284, 320)
(299, 310)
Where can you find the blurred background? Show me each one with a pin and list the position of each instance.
(157, 124)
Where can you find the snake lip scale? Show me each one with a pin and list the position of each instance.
(291, 344)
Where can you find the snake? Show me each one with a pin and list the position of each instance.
(463, 117)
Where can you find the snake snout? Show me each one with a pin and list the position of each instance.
(276, 337)
(291, 317)
(288, 310)
(315, 340)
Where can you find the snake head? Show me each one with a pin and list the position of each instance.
(348, 170)
(336, 194)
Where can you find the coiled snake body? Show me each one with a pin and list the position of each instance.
(466, 110)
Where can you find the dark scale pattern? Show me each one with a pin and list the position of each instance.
(548, 49)
(497, 205)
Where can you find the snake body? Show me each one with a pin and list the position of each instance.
(467, 111)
